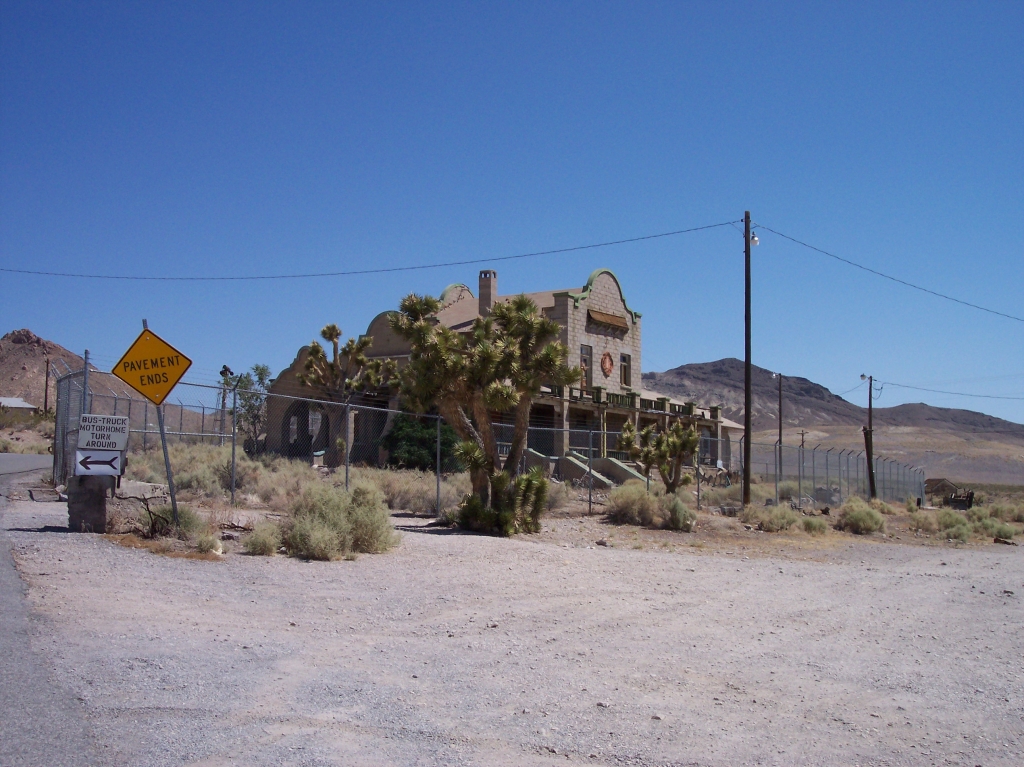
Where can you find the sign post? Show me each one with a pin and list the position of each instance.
(152, 367)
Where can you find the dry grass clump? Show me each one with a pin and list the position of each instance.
(733, 496)
(558, 495)
(815, 525)
(881, 507)
(416, 491)
(859, 518)
(23, 448)
(631, 504)
(263, 541)
(328, 522)
(1008, 512)
(770, 519)
(923, 521)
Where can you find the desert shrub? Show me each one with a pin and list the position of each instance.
(857, 517)
(264, 540)
(199, 480)
(881, 507)
(1004, 531)
(733, 495)
(370, 523)
(788, 490)
(770, 519)
(558, 495)
(313, 538)
(160, 522)
(320, 508)
(1008, 512)
(815, 525)
(923, 521)
(676, 514)
(911, 505)
(977, 514)
(207, 543)
(416, 491)
(960, 533)
(947, 519)
(631, 504)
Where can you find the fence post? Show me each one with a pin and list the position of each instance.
(234, 436)
(85, 386)
(181, 420)
(590, 473)
(348, 447)
(800, 477)
(145, 424)
(202, 426)
(778, 451)
(438, 472)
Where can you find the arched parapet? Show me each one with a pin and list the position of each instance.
(584, 294)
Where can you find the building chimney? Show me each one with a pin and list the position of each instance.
(488, 291)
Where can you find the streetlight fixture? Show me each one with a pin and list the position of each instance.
(869, 434)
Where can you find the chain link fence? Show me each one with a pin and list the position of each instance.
(826, 476)
(340, 436)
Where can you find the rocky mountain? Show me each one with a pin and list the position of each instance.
(962, 445)
(23, 357)
(806, 404)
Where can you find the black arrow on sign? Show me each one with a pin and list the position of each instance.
(88, 462)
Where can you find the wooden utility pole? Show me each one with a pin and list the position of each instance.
(869, 437)
(780, 427)
(746, 362)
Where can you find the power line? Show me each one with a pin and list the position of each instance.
(941, 391)
(890, 277)
(240, 278)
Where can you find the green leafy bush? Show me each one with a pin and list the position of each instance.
(412, 443)
(857, 517)
(815, 525)
(264, 540)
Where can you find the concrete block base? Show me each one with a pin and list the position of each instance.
(87, 503)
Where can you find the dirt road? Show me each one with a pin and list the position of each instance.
(457, 649)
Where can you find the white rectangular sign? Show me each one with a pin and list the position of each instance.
(102, 432)
(102, 462)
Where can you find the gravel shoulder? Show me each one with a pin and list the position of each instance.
(546, 649)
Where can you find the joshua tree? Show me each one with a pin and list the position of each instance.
(667, 450)
(338, 378)
(252, 404)
(499, 365)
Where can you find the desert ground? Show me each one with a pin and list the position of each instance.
(659, 648)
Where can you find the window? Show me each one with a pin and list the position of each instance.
(587, 365)
(624, 370)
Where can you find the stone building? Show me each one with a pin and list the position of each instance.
(603, 335)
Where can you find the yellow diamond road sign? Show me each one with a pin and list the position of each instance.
(152, 367)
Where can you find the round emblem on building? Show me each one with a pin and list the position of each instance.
(607, 365)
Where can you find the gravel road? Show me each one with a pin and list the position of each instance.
(465, 650)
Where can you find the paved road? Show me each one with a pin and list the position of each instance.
(41, 724)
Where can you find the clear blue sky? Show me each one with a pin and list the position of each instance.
(219, 139)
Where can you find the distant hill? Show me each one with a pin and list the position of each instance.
(804, 403)
(23, 357)
(961, 444)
